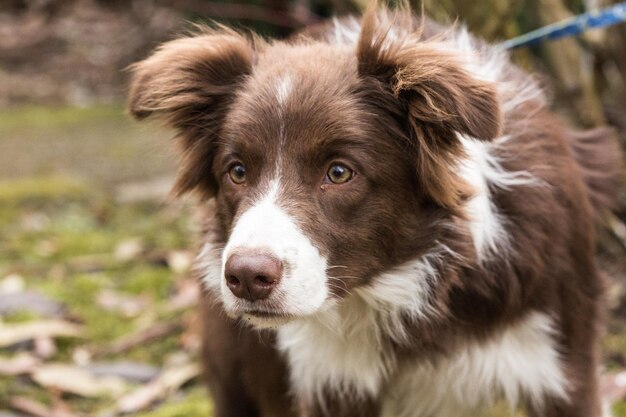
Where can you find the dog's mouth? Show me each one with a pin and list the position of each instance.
(264, 314)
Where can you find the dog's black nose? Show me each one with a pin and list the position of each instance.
(252, 277)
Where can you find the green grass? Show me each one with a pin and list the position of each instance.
(60, 225)
(37, 117)
(100, 144)
(84, 225)
(40, 190)
(619, 409)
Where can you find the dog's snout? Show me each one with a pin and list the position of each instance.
(252, 277)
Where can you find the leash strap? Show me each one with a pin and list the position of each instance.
(570, 27)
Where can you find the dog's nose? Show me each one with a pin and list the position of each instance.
(252, 277)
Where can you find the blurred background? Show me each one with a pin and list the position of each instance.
(96, 294)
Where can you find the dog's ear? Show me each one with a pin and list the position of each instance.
(189, 83)
(439, 97)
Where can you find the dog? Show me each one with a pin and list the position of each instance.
(395, 223)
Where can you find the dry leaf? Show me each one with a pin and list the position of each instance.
(179, 261)
(11, 302)
(37, 409)
(170, 380)
(11, 334)
(129, 249)
(89, 263)
(12, 284)
(22, 363)
(130, 371)
(45, 347)
(155, 189)
(34, 221)
(75, 380)
(81, 356)
(46, 247)
(156, 331)
(613, 386)
(129, 306)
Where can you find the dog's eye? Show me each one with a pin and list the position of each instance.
(237, 173)
(339, 174)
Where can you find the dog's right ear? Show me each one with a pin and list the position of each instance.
(439, 96)
(189, 83)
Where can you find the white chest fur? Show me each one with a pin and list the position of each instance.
(520, 362)
(343, 354)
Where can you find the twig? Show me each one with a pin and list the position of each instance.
(144, 336)
(37, 409)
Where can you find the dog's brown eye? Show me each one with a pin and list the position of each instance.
(339, 174)
(237, 173)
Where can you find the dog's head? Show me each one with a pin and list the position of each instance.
(329, 163)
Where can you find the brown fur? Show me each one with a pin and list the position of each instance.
(396, 107)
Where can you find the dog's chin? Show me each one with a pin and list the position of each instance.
(263, 320)
(269, 316)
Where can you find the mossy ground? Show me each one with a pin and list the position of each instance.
(60, 227)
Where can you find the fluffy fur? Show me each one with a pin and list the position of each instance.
(455, 266)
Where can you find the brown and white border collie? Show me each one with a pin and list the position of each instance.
(395, 222)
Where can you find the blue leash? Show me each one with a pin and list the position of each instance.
(570, 27)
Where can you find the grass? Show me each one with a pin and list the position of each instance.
(69, 255)
(61, 224)
(100, 145)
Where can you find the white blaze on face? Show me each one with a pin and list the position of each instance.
(265, 227)
(283, 89)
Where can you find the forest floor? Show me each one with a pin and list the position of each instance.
(97, 296)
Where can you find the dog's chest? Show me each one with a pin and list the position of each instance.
(338, 352)
(519, 363)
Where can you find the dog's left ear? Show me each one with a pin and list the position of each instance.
(440, 98)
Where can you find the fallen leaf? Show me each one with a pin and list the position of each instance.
(22, 363)
(37, 409)
(81, 356)
(12, 284)
(34, 221)
(127, 305)
(46, 247)
(45, 347)
(95, 262)
(155, 189)
(130, 371)
(179, 261)
(29, 406)
(613, 386)
(76, 380)
(12, 302)
(170, 380)
(11, 334)
(155, 331)
(128, 249)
